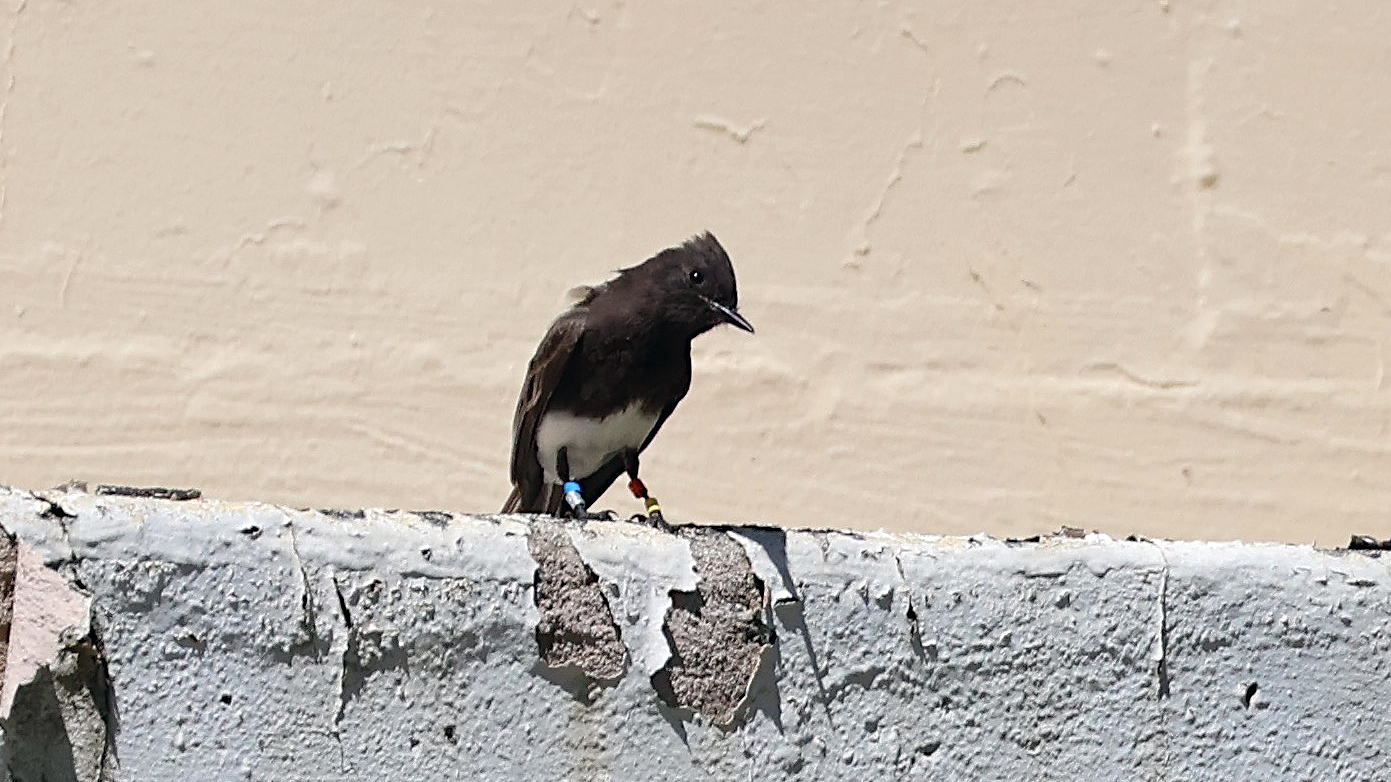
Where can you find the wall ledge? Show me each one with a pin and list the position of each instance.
(153, 638)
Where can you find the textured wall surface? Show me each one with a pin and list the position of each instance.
(251, 642)
(1118, 264)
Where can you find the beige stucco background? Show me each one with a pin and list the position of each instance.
(1015, 265)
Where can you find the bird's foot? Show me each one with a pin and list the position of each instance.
(654, 509)
(654, 516)
(654, 520)
(599, 515)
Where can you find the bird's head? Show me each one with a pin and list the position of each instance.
(698, 287)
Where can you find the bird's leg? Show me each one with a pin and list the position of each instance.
(574, 493)
(574, 497)
(639, 490)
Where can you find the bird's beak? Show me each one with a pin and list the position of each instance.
(730, 316)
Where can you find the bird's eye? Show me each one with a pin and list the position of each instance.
(697, 277)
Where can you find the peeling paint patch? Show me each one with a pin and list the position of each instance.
(46, 613)
(717, 632)
(577, 632)
(9, 563)
(62, 724)
(57, 713)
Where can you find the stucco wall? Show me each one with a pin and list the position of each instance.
(251, 642)
(1014, 264)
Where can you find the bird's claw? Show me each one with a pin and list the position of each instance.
(654, 520)
(600, 515)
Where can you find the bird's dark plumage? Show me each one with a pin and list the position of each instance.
(611, 369)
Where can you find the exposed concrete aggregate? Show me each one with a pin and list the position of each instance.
(717, 632)
(577, 629)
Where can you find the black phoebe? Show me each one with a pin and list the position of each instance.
(609, 372)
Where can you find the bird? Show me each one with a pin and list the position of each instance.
(609, 372)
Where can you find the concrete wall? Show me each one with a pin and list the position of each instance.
(1119, 264)
(250, 642)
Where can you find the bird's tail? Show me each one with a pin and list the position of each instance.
(550, 501)
(514, 502)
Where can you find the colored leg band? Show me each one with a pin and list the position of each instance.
(652, 507)
(573, 496)
(637, 488)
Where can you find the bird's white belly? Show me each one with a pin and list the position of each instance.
(588, 445)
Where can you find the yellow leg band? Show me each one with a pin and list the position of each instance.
(652, 506)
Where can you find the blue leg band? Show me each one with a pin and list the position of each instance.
(574, 497)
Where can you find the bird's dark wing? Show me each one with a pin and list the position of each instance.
(598, 483)
(530, 493)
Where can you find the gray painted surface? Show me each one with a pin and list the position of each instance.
(255, 642)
